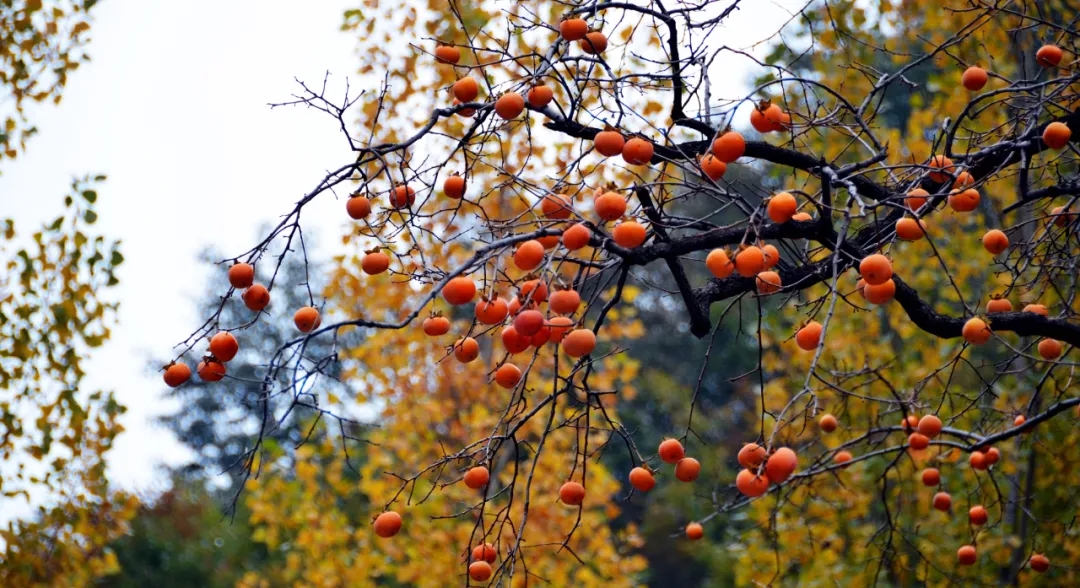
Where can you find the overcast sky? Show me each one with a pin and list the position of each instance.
(173, 108)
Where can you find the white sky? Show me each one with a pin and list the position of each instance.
(173, 108)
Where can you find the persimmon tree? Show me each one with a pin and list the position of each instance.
(515, 168)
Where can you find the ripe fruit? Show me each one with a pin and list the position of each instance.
(751, 484)
(977, 460)
(759, 122)
(1056, 135)
(687, 469)
(942, 501)
(1060, 218)
(572, 493)
(454, 187)
(477, 477)
(256, 297)
(508, 375)
(529, 322)
(542, 336)
(1050, 349)
(964, 179)
(931, 477)
(910, 423)
(608, 143)
(210, 370)
(1048, 55)
(930, 426)
(529, 255)
(966, 555)
(460, 290)
(466, 112)
(637, 151)
(827, 423)
(777, 118)
(1039, 562)
(375, 263)
(480, 571)
(918, 441)
(387, 524)
(402, 196)
(436, 325)
(1037, 309)
(671, 451)
(556, 206)
(974, 78)
(576, 237)
(782, 207)
(842, 457)
(540, 96)
(808, 337)
(751, 456)
(307, 319)
(749, 261)
(564, 301)
(509, 105)
(641, 479)
(995, 241)
(492, 312)
(466, 350)
(1019, 420)
(610, 206)
(629, 234)
(780, 465)
(802, 217)
(485, 552)
(719, 264)
(880, 294)
(549, 242)
(998, 304)
(176, 374)
(224, 346)
(594, 43)
(358, 207)
(768, 282)
(964, 200)
(694, 531)
(916, 198)
(729, 147)
(558, 327)
(975, 331)
(573, 29)
(978, 516)
(579, 343)
(876, 269)
(466, 89)
(513, 341)
(940, 162)
(712, 167)
(910, 229)
(241, 275)
(447, 54)
(992, 456)
(772, 255)
(533, 291)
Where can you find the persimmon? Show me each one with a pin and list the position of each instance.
(224, 346)
(964, 200)
(975, 331)
(466, 112)
(541, 337)
(802, 217)
(241, 275)
(966, 555)
(513, 341)
(992, 456)
(307, 319)
(1019, 420)
(358, 207)
(466, 350)
(609, 143)
(540, 96)
(930, 477)
(629, 234)
(459, 290)
(929, 425)
(881, 293)
(694, 531)
(827, 423)
(942, 501)
(910, 423)
(876, 269)
(978, 515)
(687, 469)
(751, 456)
(529, 255)
(480, 571)
(564, 301)
(485, 552)
(576, 237)
(642, 479)
(749, 261)
(809, 336)
(556, 206)
(594, 43)
(942, 163)
(477, 477)
(1062, 219)
(1050, 349)
(610, 206)
(910, 229)
(712, 167)
(782, 207)
(1049, 55)
(529, 322)
(671, 451)
(1039, 562)
(963, 180)
(780, 465)
(1056, 135)
(637, 151)
(509, 106)
(176, 374)
(977, 460)
(579, 343)
(1037, 309)
(759, 122)
(402, 196)
(573, 29)
(998, 304)
(719, 264)
(387, 524)
(729, 146)
(375, 263)
(454, 187)
(916, 198)
(256, 297)
(549, 242)
(466, 89)
(508, 375)
(776, 117)
(434, 326)
(447, 54)
(492, 312)
(772, 255)
(918, 441)
(995, 241)
(534, 291)
(768, 282)
(558, 327)
(572, 493)
(974, 78)
(751, 484)
(210, 370)
(842, 456)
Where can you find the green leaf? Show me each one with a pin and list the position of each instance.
(90, 217)
(116, 258)
(90, 195)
